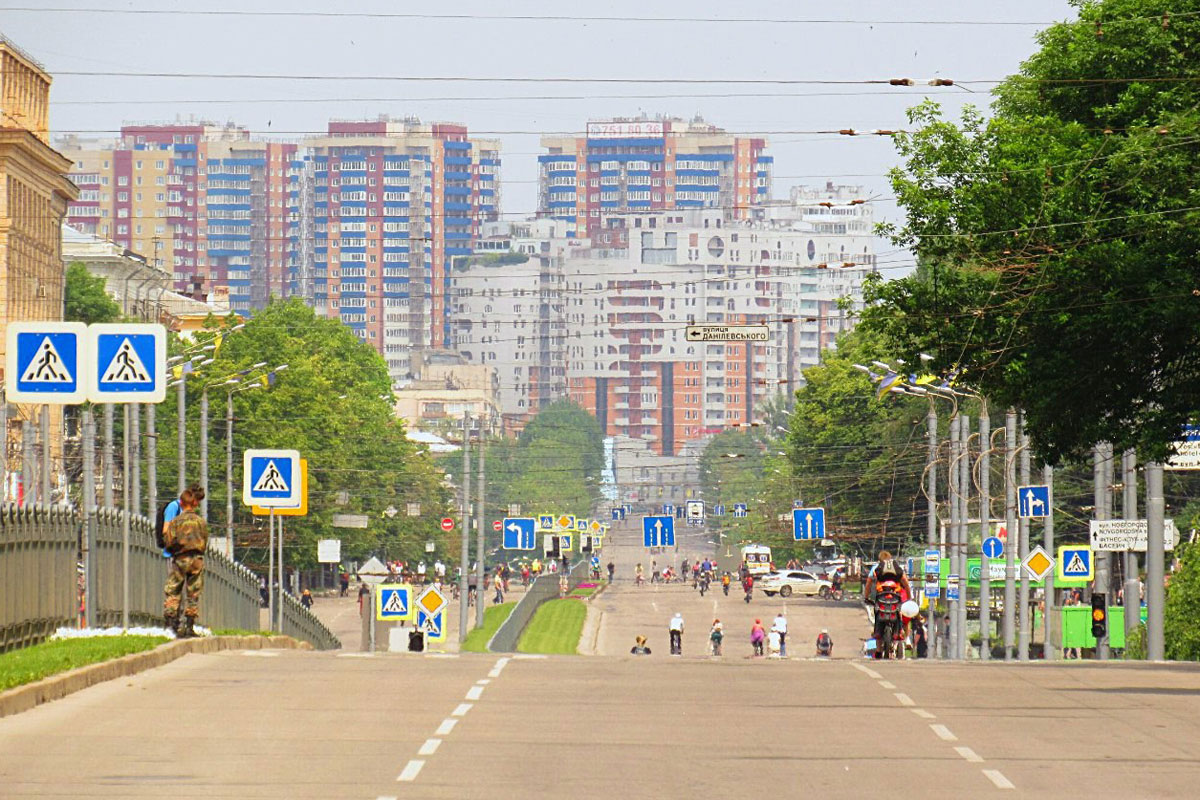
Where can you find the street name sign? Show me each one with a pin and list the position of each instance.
(329, 551)
(272, 478)
(45, 362)
(1128, 534)
(1187, 450)
(728, 333)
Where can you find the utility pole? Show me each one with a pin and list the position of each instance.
(964, 485)
(125, 511)
(1100, 512)
(106, 459)
(1133, 597)
(1024, 634)
(271, 569)
(3, 446)
(480, 522)
(151, 461)
(952, 554)
(1010, 525)
(985, 525)
(229, 473)
(1155, 562)
(181, 401)
(1051, 650)
(46, 461)
(204, 452)
(931, 533)
(135, 458)
(28, 464)
(465, 563)
(89, 517)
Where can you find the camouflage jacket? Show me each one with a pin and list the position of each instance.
(187, 534)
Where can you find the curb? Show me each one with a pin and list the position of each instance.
(23, 698)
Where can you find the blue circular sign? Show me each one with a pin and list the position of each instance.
(993, 547)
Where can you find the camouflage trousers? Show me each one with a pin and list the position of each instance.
(184, 570)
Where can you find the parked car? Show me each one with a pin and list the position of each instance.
(785, 583)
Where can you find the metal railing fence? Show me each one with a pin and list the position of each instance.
(300, 623)
(39, 547)
(546, 587)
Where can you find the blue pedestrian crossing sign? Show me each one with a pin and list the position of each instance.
(740, 510)
(44, 362)
(432, 625)
(271, 478)
(993, 547)
(393, 601)
(127, 363)
(581, 524)
(1075, 563)
(658, 531)
(545, 522)
(808, 523)
(1033, 501)
(518, 533)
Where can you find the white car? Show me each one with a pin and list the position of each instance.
(787, 582)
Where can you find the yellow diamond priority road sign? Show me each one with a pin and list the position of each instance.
(1037, 564)
(431, 601)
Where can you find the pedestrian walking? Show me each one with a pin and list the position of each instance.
(757, 635)
(344, 581)
(780, 625)
(748, 586)
(306, 598)
(920, 637)
(676, 628)
(186, 539)
(611, 569)
(363, 593)
(639, 577)
(498, 584)
(726, 580)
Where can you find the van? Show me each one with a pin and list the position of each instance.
(757, 558)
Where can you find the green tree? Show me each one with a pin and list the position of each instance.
(85, 297)
(1056, 239)
(1180, 632)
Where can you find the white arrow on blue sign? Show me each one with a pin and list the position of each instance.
(519, 533)
(128, 363)
(993, 547)
(808, 523)
(271, 478)
(658, 531)
(719, 510)
(1033, 501)
(739, 510)
(44, 362)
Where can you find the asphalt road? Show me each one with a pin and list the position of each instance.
(348, 725)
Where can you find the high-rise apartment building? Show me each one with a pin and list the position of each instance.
(394, 203)
(218, 209)
(629, 360)
(640, 164)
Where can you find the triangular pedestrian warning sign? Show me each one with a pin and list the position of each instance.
(1075, 566)
(126, 366)
(394, 604)
(46, 366)
(271, 480)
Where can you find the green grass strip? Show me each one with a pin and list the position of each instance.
(555, 628)
(30, 664)
(493, 617)
(584, 592)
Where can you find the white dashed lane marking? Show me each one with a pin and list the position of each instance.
(969, 754)
(903, 699)
(430, 747)
(411, 770)
(943, 733)
(997, 777)
(887, 684)
(462, 710)
(922, 713)
(446, 726)
(475, 692)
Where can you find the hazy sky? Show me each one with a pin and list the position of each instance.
(774, 48)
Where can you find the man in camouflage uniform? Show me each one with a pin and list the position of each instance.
(186, 538)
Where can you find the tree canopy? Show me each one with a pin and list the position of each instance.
(1056, 238)
(85, 297)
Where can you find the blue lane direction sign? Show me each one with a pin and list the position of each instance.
(393, 601)
(44, 362)
(740, 510)
(618, 514)
(719, 510)
(271, 478)
(808, 523)
(519, 533)
(993, 547)
(658, 531)
(668, 508)
(127, 363)
(1033, 502)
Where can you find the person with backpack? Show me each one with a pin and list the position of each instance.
(168, 512)
(186, 539)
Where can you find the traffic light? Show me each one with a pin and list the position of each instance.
(1099, 616)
